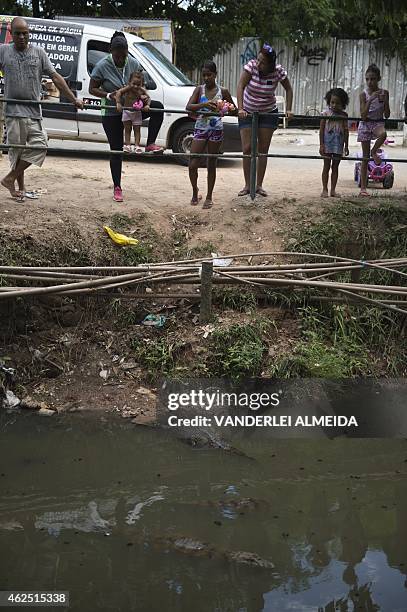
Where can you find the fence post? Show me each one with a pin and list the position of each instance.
(253, 160)
(404, 134)
(206, 292)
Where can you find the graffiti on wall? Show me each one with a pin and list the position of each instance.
(250, 52)
(314, 55)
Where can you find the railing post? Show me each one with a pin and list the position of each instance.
(253, 160)
(206, 292)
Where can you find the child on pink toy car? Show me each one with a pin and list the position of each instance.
(374, 109)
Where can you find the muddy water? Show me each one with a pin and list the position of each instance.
(131, 519)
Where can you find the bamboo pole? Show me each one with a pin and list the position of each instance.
(185, 278)
(334, 260)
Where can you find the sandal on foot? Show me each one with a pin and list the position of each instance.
(194, 202)
(261, 192)
(364, 194)
(19, 198)
(127, 148)
(138, 150)
(207, 204)
(244, 192)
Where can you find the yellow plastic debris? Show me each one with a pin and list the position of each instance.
(119, 239)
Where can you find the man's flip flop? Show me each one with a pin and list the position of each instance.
(32, 195)
(19, 198)
(364, 194)
(195, 202)
(207, 204)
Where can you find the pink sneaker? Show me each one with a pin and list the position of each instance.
(153, 148)
(118, 194)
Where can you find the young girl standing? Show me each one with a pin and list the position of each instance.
(135, 96)
(333, 138)
(208, 129)
(374, 108)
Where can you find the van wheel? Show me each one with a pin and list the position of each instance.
(182, 140)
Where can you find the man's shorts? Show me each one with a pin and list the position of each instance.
(269, 121)
(25, 131)
(210, 135)
(133, 116)
(370, 130)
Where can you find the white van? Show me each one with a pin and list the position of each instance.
(74, 49)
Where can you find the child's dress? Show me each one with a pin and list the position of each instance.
(370, 130)
(135, 116)
(208, 128)
(334, 133)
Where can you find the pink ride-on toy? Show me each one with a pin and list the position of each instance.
(377, 174)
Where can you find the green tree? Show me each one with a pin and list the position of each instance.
(14, 7)
(204, 27)
(382, 20)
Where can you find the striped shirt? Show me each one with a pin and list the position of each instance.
(260, 92)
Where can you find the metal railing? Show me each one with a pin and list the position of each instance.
(253, 156)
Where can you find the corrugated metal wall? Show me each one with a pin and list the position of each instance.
(313, 68)
(352, 59)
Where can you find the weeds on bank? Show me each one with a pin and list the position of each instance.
(357, 231)
(314, 358)
(136, 254)
(182, 250)
(124, 314)
(238, 350)
(121, 222)
(235, 298)
(158, 355)
(69, 251)
(205, 249)
(336, 337)
(342, 341)
(132, 255)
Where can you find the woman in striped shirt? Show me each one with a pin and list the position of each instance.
(256, 92)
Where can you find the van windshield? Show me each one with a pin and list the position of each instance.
(168, 71)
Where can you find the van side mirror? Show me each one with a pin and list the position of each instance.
(149, 82)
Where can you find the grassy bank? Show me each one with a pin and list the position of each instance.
(279, 333)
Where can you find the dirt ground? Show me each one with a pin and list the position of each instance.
(81, 190)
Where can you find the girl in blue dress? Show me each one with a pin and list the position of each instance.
(333, 138)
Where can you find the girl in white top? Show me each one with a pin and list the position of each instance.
(208, 131)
